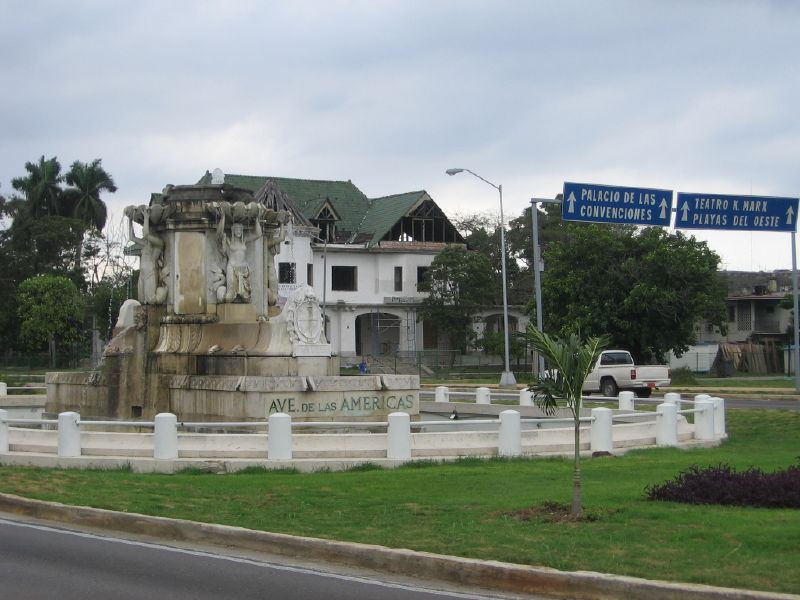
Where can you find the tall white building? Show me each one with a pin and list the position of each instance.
(365, 259)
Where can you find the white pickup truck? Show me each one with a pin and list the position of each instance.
(616, 371)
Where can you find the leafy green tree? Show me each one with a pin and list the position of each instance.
(520, 232)
(459, 284)
(88, 181)
(50, 309)
(105, 302)
(571, 359)
(44, 245)
(645, 288)
(493, 342)
(481, 231)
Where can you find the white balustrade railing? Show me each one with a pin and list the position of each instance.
(512, 428)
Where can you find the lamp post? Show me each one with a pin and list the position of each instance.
(537, 278)
(537, 270)
(507, 378)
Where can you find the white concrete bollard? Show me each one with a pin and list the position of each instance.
(626, 401)
(602, 431)
(69, 434)
(702, 397)
(667, 424)
(510, 437)
(279, 439)
(704, 420)
(442, 393)
(3, 389)
(719, 416)
(398, 444)
(483, 395)
(3, 430)
(165, 437)
(525, 397)
(673, 398)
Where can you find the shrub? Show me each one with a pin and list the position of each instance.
(683, 376)
(723, 485)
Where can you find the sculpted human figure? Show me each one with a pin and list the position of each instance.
(234, 249)
(152, 289)
(272, 246)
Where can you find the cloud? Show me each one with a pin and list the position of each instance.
(692, 96)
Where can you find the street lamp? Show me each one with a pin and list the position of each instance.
(507, 378)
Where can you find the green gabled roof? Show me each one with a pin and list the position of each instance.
(309, 196)
(361, 220)
(386, 211)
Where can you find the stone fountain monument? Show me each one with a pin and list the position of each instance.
(207, 340)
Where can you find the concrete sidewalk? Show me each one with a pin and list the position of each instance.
(486, 575)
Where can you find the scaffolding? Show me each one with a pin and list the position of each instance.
(382, 324)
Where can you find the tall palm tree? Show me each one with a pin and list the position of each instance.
(42, 187)
(571, 360)
(88, 181)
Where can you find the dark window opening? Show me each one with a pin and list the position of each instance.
(326, 221)
(136, 412)
(398, 279)
(422, 285)
(287, 273)
(310, 274)
(343, 279)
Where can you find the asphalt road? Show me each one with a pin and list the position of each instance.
(39, 561)
(771, 403)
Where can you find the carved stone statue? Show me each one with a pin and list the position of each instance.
(234, 248)
(272, 246)
(152, 287)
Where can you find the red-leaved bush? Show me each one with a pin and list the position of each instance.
(724, 485)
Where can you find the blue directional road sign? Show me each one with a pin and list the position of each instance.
(745, 213)
(607, 204)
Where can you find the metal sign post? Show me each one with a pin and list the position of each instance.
(537, 273)
(795, 323)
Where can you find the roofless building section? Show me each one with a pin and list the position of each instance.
(425, 222)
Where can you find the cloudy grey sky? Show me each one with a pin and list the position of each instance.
(695, 96)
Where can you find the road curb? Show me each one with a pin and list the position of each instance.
(490, 575)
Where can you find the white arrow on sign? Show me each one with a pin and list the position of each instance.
(571, 201)
(663, 209)
(685, 210)
(789, 215)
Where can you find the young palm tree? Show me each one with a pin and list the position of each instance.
(88, 181)
(571, 360)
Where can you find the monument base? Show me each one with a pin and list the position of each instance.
(236, 398)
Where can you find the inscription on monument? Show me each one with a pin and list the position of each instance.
(348, 404)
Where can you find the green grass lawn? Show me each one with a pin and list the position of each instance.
(468, 508)
(734, 382)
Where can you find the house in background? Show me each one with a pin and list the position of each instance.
(754, 308)
(366, 259)
(755, 315)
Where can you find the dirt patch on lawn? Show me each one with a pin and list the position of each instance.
(551, 512)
